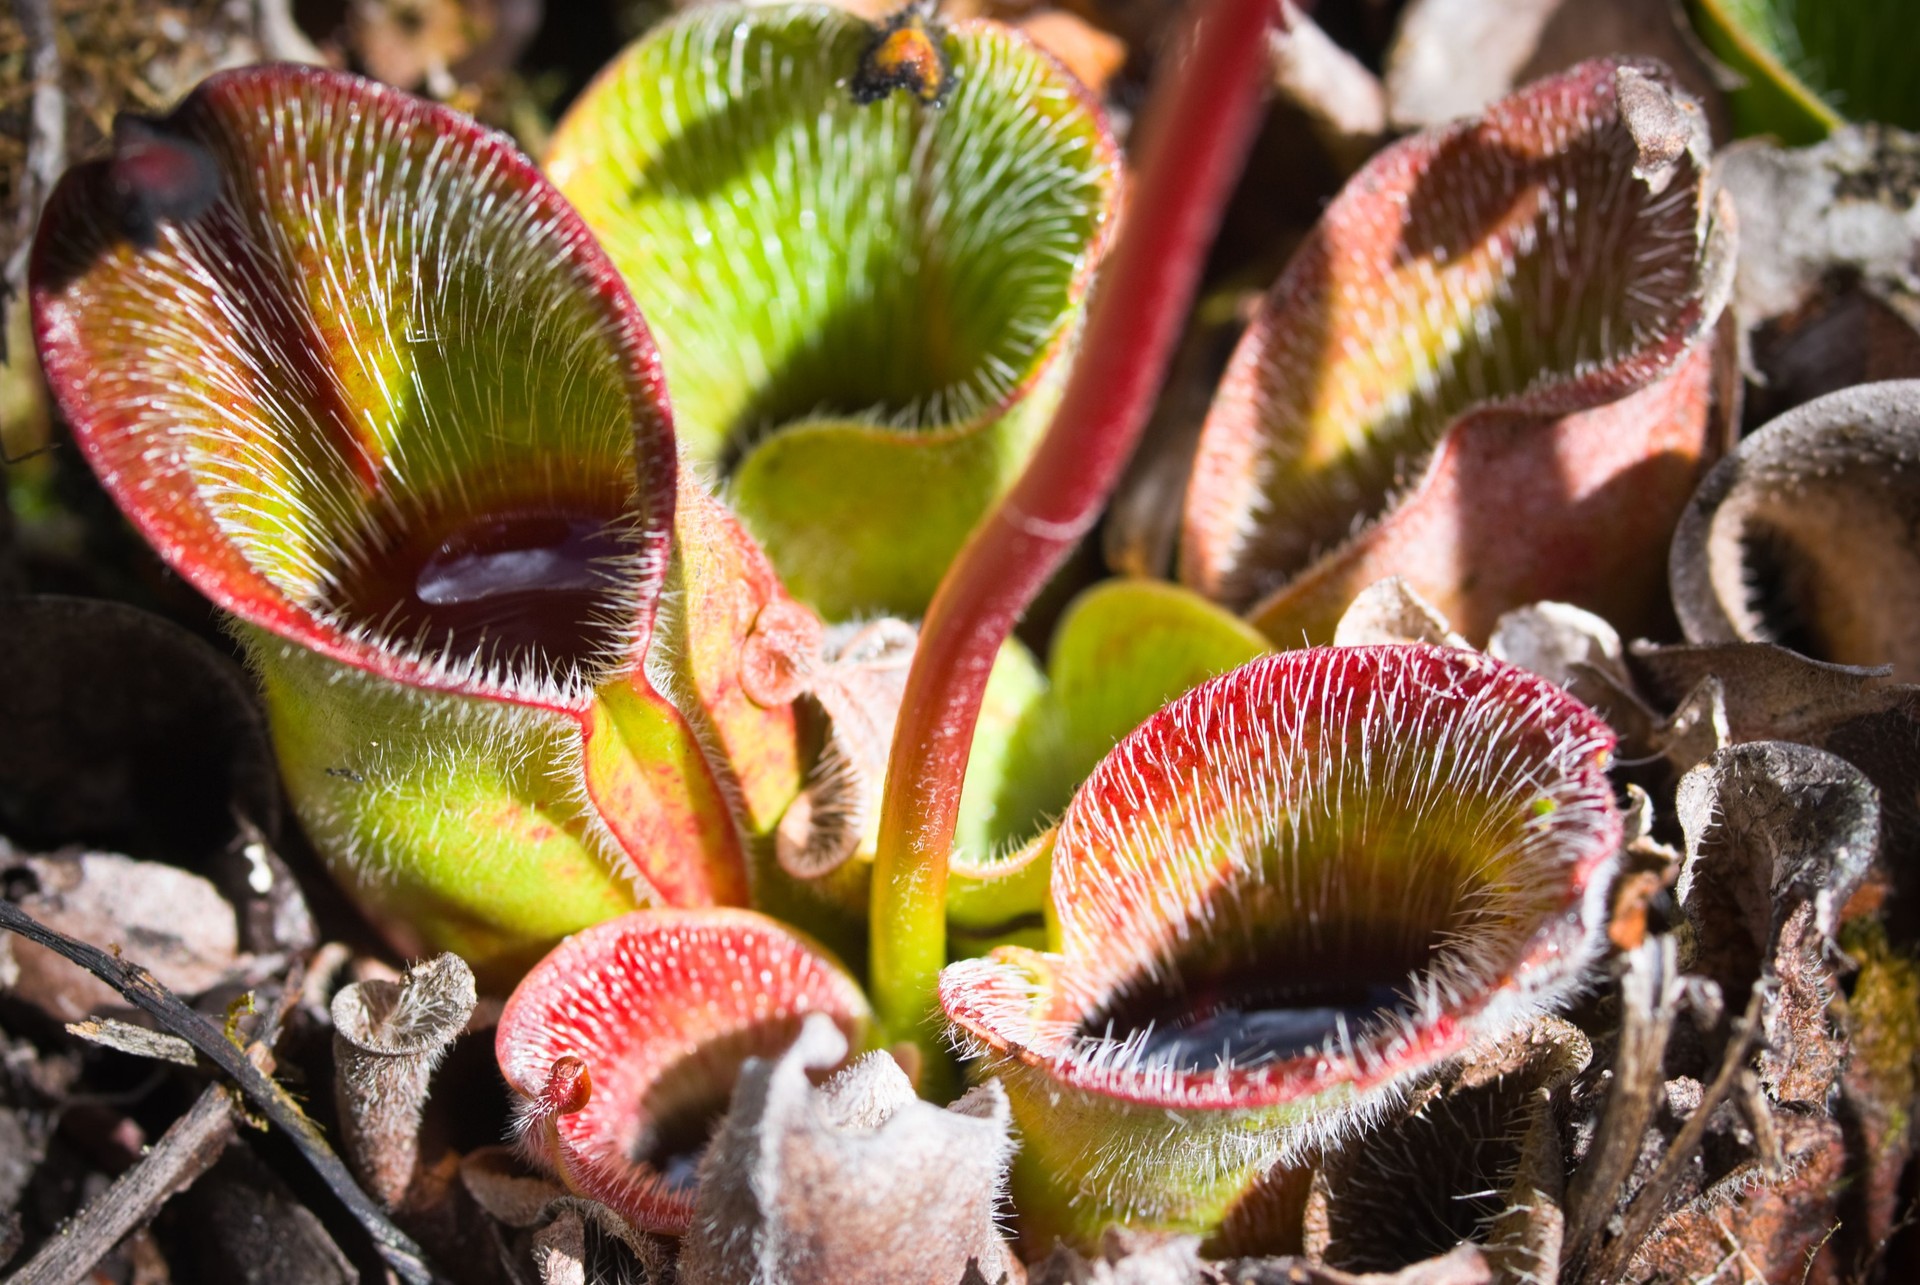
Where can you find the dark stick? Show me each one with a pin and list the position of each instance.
(187, 1149)
(144, 992)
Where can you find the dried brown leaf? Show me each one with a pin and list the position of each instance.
(1745, 1226)
(1763, 692)
(173, 922)
(1770, 692)
(855, 1181)
(138, 1041)
(23, 1144)
(1391, 611)
(1779, 837)
(1581, 652)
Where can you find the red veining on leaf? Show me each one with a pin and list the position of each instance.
(265, 390)
(745, 646)
(1297, 814)
(630, 1033)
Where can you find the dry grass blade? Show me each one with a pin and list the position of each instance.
(1650, 992)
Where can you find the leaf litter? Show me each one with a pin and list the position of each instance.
(236, 1084)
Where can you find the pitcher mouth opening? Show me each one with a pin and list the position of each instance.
(1267, 1008)
(1364, 966)
(1307, 880)
(680, 1111)
(536, 594)
(663, 1008)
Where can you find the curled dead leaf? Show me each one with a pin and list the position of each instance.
(856, 685)
(855, 1181)
(1805, 535)
(1768, 692)
(387, 1039)
(1779, 836)
(1582, 653)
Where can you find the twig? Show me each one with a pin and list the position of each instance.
(187, 1150)
(144, 992)
(1650, 995)
(1651, 1200)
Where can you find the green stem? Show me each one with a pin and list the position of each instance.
(1198, 128)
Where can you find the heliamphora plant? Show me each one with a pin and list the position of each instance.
(558, 1026)
(1280, 901)
(1482, 372)
(368, 381)
(623, 1044)
(365, 380)
(862, 297)
(1123, 649)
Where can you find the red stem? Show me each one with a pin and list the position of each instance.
(1199, 128)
